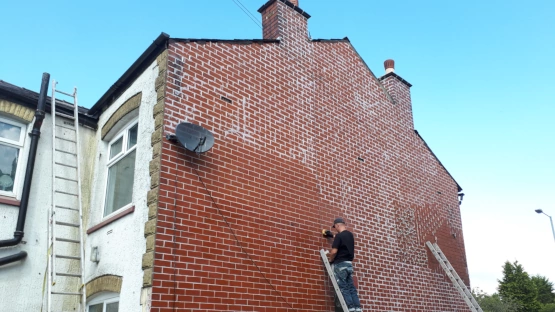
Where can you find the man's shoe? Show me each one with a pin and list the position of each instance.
(359, 309)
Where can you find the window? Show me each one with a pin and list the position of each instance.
(12, 136)
(105, 302)
(121, 169)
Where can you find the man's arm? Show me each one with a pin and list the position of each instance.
(332, 254)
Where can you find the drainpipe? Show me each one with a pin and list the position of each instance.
(35, 135)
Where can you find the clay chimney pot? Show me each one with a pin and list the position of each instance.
(389, 66)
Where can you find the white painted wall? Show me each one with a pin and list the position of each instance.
(21, 283)
(122, 243)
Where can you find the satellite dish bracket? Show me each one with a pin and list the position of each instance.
(200, 143)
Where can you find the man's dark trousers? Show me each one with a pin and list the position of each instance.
(344, 276)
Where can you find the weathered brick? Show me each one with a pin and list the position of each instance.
(150, 227)
(147, 277)
(156, 136)
(156, 148)
(159, 107)
(154, 166)
(152, 210)
(16, 110)
(128, 106)
(148, 260)
(105, 283)
(304, 133)
(150, 242)
(152, 196)
(158, 121)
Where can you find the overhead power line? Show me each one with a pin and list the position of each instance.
(247, 12)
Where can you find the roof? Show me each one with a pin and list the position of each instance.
(426, 144)
(30, 99)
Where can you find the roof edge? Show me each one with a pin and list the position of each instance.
(286, 2)
(429, 149)
(331, 40)
(236, 41)
(346, 39)
(130, 74)
(29, 98)
(392, 74)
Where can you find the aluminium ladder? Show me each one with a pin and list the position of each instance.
(66, 267)
(452, 274)
(333, 281)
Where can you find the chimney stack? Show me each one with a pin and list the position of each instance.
(399, 90)
(389, 66)
(285, 20)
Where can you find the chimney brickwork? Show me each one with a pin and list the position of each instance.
(399, 90)
(282, 19)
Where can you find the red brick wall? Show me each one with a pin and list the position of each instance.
(284, 165)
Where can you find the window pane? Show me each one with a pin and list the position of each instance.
(8, 164)
(132, 140)
(120, 183)
(112, 307)
(115, 148)
(10, 132)
(96, 307)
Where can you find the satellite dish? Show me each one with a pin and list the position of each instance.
(194, 137)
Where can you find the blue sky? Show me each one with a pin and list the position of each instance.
(482, 75)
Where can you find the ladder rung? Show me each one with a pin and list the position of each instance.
(65, 152)
(65, 165)
(69, 208)
(65, 116)
(66, 193)
(62, 92)
(67, 224)
(67, 179)
(68, 274)
(64, 139)
(68, 257)
(65, 127)
(59, 239)
(66, 293)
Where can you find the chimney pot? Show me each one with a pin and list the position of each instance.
(295, 2)
(389, 66)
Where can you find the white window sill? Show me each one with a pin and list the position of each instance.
(116, 216)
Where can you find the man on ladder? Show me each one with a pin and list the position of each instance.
(342, 255)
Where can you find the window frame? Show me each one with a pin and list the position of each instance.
(104, 298)
(20, 144)
(124, 135)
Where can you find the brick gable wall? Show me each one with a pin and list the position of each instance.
(294, 120)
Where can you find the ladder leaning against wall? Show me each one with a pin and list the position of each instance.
(340, 304)
(454, 277)
(66, 267)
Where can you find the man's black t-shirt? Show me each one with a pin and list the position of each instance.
(345, 244)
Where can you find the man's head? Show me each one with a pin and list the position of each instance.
(339, 224)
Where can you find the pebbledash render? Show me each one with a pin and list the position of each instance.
(304, 133)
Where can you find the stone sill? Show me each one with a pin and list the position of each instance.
(113, 218)
(9, 201)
